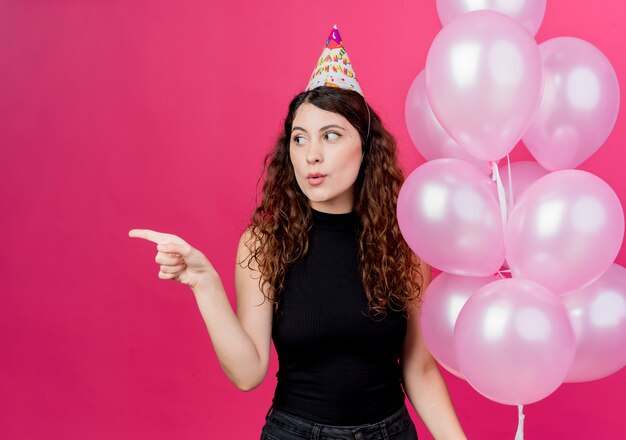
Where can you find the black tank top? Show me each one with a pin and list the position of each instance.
(337, 364)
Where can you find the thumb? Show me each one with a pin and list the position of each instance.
(183, 249)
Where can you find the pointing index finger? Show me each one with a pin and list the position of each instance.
(147, 234)
(154, 236)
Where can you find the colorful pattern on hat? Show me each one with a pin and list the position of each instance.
(334, 68)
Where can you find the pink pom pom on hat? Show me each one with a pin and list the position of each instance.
(334, 68)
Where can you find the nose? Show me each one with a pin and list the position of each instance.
(314, 152)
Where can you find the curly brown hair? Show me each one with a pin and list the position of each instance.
(280, 225)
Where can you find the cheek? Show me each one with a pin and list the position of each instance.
(294, 162)
(352, 161)
(298, 170)
(349, 166)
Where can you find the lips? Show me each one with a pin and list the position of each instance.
(315, 179)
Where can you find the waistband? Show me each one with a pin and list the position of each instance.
(319, 431)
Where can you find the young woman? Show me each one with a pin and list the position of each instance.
(324, 272)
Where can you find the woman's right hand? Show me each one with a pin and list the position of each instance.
(178, 260)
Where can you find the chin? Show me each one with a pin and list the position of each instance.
(318, 199)
(316, 195)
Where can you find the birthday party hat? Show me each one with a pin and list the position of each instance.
(334, 68)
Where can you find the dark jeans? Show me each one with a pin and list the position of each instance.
(280, 425)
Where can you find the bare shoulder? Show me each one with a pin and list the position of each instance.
(423, 278)
(247, 271)
(247, 247)
(426, 272)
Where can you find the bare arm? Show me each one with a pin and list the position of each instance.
(422, 381)
(241, 342)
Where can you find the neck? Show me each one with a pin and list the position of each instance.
(337, 208)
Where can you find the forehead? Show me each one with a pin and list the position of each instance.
(310, 116)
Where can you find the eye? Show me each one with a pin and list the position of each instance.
(296, 139)
(333, 133)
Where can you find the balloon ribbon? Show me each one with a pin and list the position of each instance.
(495, 176)
(519, 435)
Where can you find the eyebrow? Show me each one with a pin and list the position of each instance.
(321, 129)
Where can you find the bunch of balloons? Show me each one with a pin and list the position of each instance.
(560, 314)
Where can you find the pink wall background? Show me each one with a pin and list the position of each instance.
(157, 114)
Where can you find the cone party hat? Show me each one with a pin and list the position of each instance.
(334, 68)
